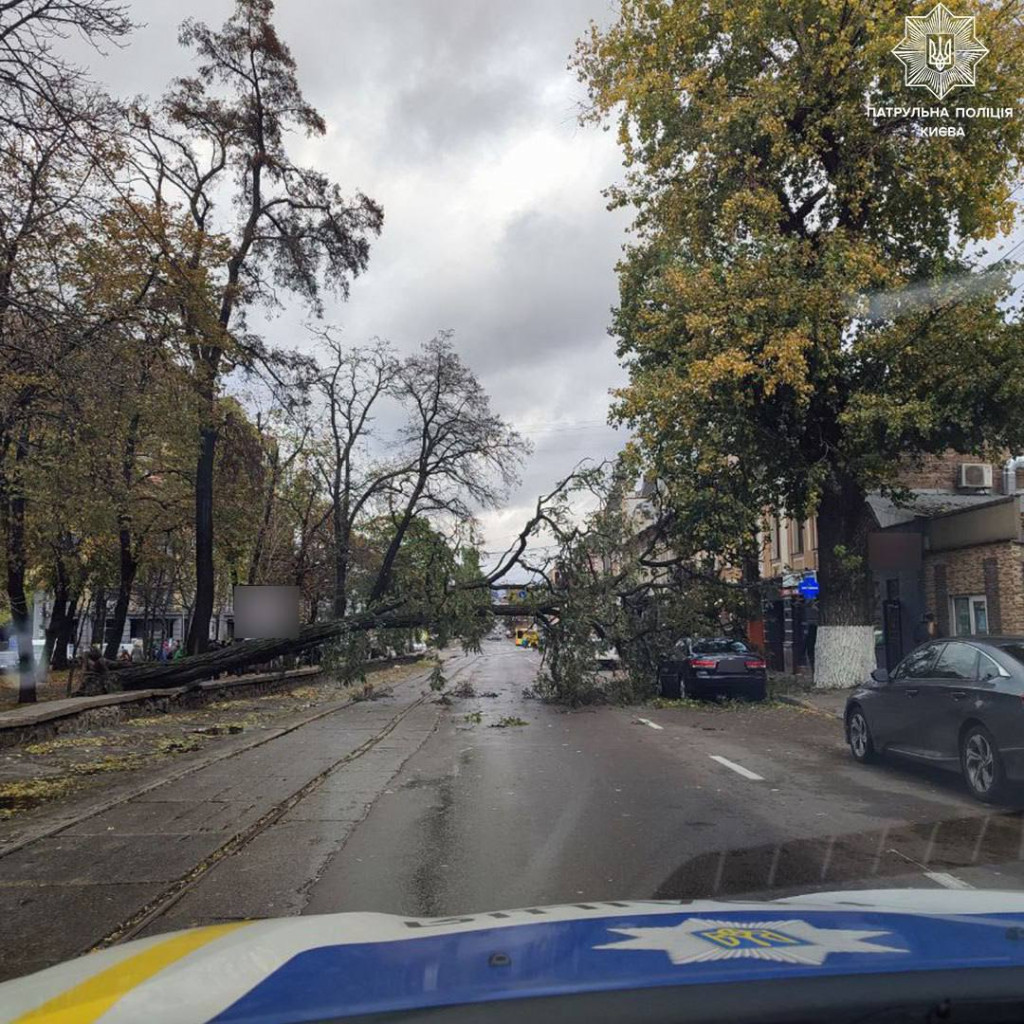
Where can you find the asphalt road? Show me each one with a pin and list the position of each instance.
(672, 803)
(412, 806)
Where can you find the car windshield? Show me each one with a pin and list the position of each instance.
(473, 458)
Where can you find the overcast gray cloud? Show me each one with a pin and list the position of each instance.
(459, 117)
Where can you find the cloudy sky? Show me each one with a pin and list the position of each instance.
(459, 116)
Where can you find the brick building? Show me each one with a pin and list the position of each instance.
(955, 549)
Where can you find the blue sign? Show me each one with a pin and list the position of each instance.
(522, 594)
(808, 587)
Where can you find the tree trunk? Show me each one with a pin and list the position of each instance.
(383, 580)
(16, 565)
(202, 611)
(127, 563)
(845, 648)
(247, 653)
(59, 612)
(268, 510)
(126, 578)
(342, 541)
(99, 617)
(65, 635)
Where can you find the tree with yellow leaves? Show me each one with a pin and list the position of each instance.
(803, 304)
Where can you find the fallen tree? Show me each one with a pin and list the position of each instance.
(249, 653)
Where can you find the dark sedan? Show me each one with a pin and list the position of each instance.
(956, 703)
(713, 666)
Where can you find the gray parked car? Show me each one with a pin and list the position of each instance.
(956, 703)
(713, 666)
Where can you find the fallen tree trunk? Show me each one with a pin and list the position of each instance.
(197, 668)
(245, 653)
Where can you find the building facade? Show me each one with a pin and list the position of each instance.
(954, 549)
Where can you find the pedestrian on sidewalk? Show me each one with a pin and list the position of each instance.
(926, 629)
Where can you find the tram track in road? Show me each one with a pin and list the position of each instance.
(176, 890)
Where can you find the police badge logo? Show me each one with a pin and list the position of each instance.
(789, 942)
(939, 51)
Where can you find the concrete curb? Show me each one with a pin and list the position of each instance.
(34, 722)
(799, 702)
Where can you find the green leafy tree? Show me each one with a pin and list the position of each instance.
(801, 307)
(223, 142)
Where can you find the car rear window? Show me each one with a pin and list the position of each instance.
(723, 646)
(1015, 651)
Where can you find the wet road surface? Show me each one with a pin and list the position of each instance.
(490, 801)
(674, 803)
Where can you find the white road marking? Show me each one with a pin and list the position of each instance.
(738, 768)
(653, 725)
(947, 881)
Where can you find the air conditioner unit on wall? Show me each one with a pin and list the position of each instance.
(974, 474)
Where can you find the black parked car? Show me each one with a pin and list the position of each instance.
(956, 703)
(713, 666)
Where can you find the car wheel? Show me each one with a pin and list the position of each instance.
(982, 764)
(862, 746)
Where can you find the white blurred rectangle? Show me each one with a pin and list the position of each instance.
(266, 613)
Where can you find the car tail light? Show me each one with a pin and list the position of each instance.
(702, 663)
(756, 663)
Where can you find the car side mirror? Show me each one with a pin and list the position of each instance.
(880, 675)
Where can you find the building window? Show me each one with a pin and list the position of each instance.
(969, 615)
(776, 538)
(796, 532)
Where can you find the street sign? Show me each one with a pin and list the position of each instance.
(522, 595)
(808, 587)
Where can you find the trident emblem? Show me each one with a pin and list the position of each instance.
(940, 51)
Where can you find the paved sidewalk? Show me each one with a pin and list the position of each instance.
(98, 877)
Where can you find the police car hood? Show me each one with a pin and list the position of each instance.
(311, 968)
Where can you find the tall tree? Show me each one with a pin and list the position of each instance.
(461, 455)
(351, 384)
(48, 192)
(222, 138)
(34, 74)
(799, 299)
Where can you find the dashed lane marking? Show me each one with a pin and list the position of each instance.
(738, 768)
(647, 721)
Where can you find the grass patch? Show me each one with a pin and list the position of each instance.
(110, 763)
(474, 718)
(679, 702)
(178, 744)
(65, 743)
(508, 722)
(306, 692)
(722, 704)
(24, 795)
